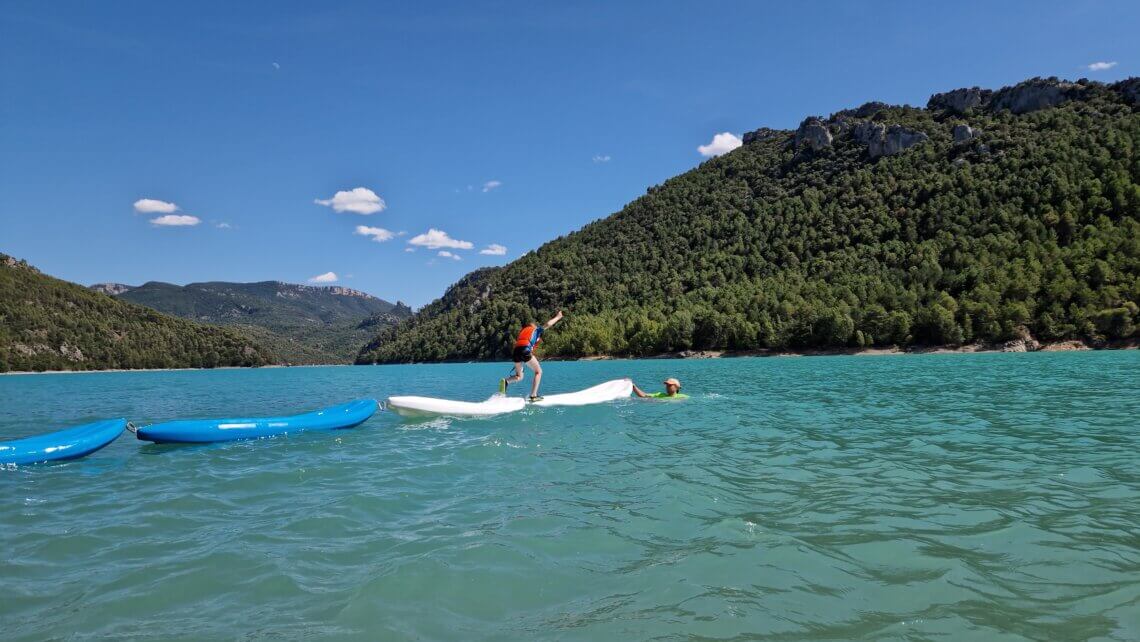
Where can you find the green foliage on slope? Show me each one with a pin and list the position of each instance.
(49, 324)
(303, 324)
(1033, 224)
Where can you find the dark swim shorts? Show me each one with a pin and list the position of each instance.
(521, 354)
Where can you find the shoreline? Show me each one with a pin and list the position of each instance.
(1019, 345)
(111, 370)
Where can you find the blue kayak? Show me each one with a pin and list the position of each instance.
(199, 431)
(62, 444)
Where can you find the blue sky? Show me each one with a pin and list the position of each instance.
(496, 124)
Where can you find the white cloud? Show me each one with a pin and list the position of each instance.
(153, 206)
(722, 143)
(490, 185)
(434, 239)
(223, 226)
(377, 234)
(494, 249)
(600, 158)
(175, 220)
(409, 249)
(448, 255)
(276, 65)
(358, 201)
(327, 277)
(1102, 66)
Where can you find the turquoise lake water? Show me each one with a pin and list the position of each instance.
(935, 497)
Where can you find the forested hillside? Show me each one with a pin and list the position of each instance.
(300, 323)
(49, 324)
(980, 217)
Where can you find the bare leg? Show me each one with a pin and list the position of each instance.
(518, 375)
(534, 365)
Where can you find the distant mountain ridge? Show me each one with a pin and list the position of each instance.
(302, 323)
(119, 288)
(50, 324)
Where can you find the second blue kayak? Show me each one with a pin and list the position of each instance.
(62, 444)
(346, 415)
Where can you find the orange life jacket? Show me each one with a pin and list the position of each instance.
(529, 337)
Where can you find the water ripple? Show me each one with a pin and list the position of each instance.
(918, 498)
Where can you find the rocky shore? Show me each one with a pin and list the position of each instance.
(1017, 345)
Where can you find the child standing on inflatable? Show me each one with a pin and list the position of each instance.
(528, 338)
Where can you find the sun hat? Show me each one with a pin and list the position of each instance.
(673, 381)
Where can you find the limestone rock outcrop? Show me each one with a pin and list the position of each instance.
(882, 140)
(1034, 94)
(1022, 98)
(964, 133)
(814, 134)
(764, 133)
(112, 289)
(867, 131)
(866, 110)
(1023, 342)
(960, 100)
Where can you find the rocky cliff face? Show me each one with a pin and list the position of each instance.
(960, 100)
(1025, 97)
(1035, 94)
(17, 264)
(343, 291)
(813, 134)
(866, 110)
(882, 140)
(764, 133)
(297, 290)
(870, 124)
(111, 288)
(964, 133)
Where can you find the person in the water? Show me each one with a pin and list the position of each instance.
(672, 391)
(529, 337)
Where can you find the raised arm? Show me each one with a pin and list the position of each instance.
(555, 319)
